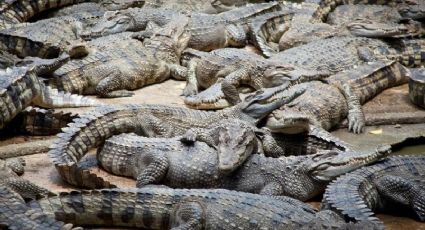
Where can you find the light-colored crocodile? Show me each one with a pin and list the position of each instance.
(119, 63)
(94, 128)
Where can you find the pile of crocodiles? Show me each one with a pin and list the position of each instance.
(278, 75)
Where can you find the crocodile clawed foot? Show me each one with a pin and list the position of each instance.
(355, 123)
(190, 90)
(189, 137)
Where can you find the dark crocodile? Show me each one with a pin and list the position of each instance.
(20, 86)
(92, 129)
(396, 183)
(37, 122)
(151, 161)
(324, 105)
(160, 208)
(208, 32)
(118, 63)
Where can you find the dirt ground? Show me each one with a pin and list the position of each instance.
(392, 103)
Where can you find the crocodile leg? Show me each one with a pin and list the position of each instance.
(356, 120)
(230, 84)
(192, 82)
(178, 72)
(111, 86)
(236, 35)
(189, 215)
(404, 192)
(154, 169)
(151, 126)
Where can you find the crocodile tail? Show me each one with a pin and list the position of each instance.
(264, 28)
(23, 47)
(325, 7)
(84, 133)
(39, 122)
(52, 98)
(412, 52)
(14, 12)
(355, 196)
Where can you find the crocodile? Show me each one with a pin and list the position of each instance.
(90, 130)
(20, 86)
(164, 208)
(36, 121)
(119, 63)
(170, 161)
(14, 11)
(395, 183)
(417, 87)
(323, 105)
(303, 33)
(340, 53)
(154, 162)
(205, 68)
(203, 6)
(208, 32)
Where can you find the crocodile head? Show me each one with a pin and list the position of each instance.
(367, 28)
(288, 122)
(237, 142)
(275, 73)
(329, 164)
(112, 22)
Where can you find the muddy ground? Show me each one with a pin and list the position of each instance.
(393, 103)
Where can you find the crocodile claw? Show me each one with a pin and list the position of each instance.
(356, 123)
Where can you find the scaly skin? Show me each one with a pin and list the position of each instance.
(417, 87)
(38, 122)
(344, 14)
(206, 70)
(154, 162)
(159, 208)
(324, 105)
(201, 6)
(14, 214)
(94, 128)
(46, 38)
(208, 32)
(123, 63)
(171, 162)
(395, 182)
(14, 12)
(19, 87)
